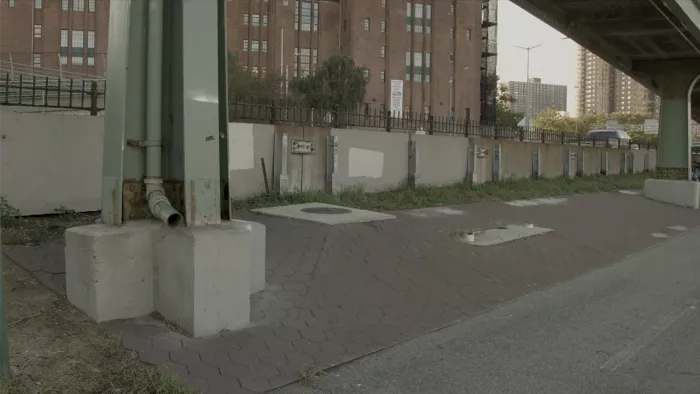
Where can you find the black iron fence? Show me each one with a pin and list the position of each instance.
(52, 92)
(290, 111)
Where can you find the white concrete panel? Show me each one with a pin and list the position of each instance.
(241, 146)
(349, 215)
(365, 163)
(434, 212)
(682, 193)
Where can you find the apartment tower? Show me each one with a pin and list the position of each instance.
(604, 89)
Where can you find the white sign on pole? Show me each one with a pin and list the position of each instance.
(651, 126)
(396, 107)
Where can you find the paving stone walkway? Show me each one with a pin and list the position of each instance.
(335, 293)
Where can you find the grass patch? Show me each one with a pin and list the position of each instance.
(21, 230)
(461, 193)
(55, 348)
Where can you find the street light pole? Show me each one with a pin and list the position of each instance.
(528, 104)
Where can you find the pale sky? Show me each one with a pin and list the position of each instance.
(554, 61)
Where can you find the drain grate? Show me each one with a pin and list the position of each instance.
(326, 210)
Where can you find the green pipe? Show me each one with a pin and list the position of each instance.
(157, 201)
(4, 343)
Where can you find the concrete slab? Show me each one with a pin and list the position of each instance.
(324, 213)
(681, 193)
(537, 201)
(509, 233)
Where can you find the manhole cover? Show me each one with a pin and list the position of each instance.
(326, 210)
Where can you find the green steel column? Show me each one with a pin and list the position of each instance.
(125, 112)
(674, 124)
(192, 55)
(4, 342)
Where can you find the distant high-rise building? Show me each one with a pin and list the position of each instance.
(604, 89)
(537, 96)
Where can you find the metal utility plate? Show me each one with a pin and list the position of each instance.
(333, 213)
(510, 233)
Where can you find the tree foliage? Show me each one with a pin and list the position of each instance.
(504, 115)
(553, 120)
(336, 83)
(243, 83)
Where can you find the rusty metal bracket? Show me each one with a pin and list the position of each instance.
(145, 144)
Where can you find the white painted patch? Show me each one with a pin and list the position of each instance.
(295, 212)
(537, 201)
(631, 192)
(509, 233)
(365, 163)
(659, 235)
(678, 228)
(434, 212)
(241, 147)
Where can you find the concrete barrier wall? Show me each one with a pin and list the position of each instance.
(369, 159)
(247, 144)
(441, 159)
(51, 161)
(592, 161)
(516, 159)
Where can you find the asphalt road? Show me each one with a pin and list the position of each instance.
(633, 327)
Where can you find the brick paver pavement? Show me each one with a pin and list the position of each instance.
(335, 293)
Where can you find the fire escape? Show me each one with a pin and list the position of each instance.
(489, 81)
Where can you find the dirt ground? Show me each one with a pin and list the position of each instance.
(55, 348)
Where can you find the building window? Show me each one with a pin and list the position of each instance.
(366, 24)
(255, 46)
(426, 70)
(254, 71)
(245, 45)
(37, 31)
(452, 33)
(382, 52)
(91, 48)
(91, 5)
(469, 34)
(263, 72)
(36, 60)
(264, 20)
(382, 75)
(408, 66)
(383, 26)
(418, 20)
(383, 3)
(409, 16)
(452, 57)
(79, 5)
(11, 4)
(246, 19)
(428, 19)
(264, 46)
(63, 50)
(64, 5)
(77, 47)
(38, 3)
(307, 59)
(256, 19)
(305, 15)
(452, 9)
(417, 67)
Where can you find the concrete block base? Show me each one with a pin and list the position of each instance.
(682, 193)
(199, 278)
(109, 274)
(202, 277)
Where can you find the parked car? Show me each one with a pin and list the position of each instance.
(609, 139)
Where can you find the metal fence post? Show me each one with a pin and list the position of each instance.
(5, 373)
(562, 137)
(388, 121)
(93, 98)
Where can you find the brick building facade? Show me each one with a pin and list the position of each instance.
(433, 47)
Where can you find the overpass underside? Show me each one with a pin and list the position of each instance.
(657, 42)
